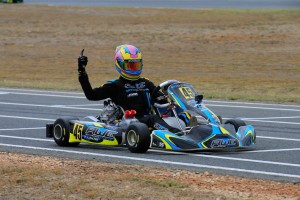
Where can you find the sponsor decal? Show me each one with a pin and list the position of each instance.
(161, 145)
(219, 143)
(92, 138)
(128, 85)
(132, 95)
(140, 85)
(97, 134)
(159, 127)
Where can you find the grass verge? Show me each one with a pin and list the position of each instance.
(40, 177)
(225, 54)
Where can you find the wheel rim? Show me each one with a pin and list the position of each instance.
(58, 132)
(132, 138)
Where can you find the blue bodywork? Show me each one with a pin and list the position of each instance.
(209, 135)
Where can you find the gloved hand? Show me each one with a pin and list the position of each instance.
(82, 62)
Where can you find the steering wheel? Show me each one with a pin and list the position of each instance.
(164, 86)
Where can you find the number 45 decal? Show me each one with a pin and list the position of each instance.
(187, 92)
(77, 131)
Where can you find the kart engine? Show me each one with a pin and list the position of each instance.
(110, 113)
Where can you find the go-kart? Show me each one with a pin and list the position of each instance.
(116, 127)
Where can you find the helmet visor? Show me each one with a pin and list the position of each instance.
(132, 65)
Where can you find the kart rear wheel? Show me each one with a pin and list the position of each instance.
(236, 123)
(137, 138)
(61, 132)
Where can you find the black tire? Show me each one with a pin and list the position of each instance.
(220, 119)
(61, 132)
(236, 123)
(137, 138)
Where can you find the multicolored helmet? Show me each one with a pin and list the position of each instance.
(128, 61)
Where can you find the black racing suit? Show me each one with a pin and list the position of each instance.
(130, 95)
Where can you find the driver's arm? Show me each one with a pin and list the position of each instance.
(95, 94)
(159, 97)
(100, 93)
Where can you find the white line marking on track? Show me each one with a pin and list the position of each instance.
(41, 91)
(27, 138)
(206, 100)
(264, 121)
(83, 105)
(49, 106)
(4, 92)
(157, 161)
(252, 103)
(49, 95)
(276, 122)
(31, 118)
(76, 108)
(252, 107)
(92, 109)
(277, 138)
(178, 153)
(289, 117)
(17, 129)
(273, 150)
(229, 158)
(57, 94)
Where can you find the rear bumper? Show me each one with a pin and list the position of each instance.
(49, 130)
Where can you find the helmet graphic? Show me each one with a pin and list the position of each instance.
(128, 61)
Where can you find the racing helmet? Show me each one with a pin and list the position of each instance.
(128, 61)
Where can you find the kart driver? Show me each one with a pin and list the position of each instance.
(130, 91)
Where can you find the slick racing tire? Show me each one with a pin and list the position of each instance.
(236, 123)
(61, 132)
(137, 138)
(220, 119)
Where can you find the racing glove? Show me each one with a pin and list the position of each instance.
(82, 62)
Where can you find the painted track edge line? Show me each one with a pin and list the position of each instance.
(178, 153)
(17, 129)
(32, 118)
(159, 161)
(205, 100)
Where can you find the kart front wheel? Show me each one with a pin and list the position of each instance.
(137, 138)
(61, 132)
(236, 123)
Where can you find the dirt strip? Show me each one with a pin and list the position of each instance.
(39, 177)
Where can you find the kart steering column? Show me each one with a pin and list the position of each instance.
(171, 106)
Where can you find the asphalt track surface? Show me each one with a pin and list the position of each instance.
(276, 155)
